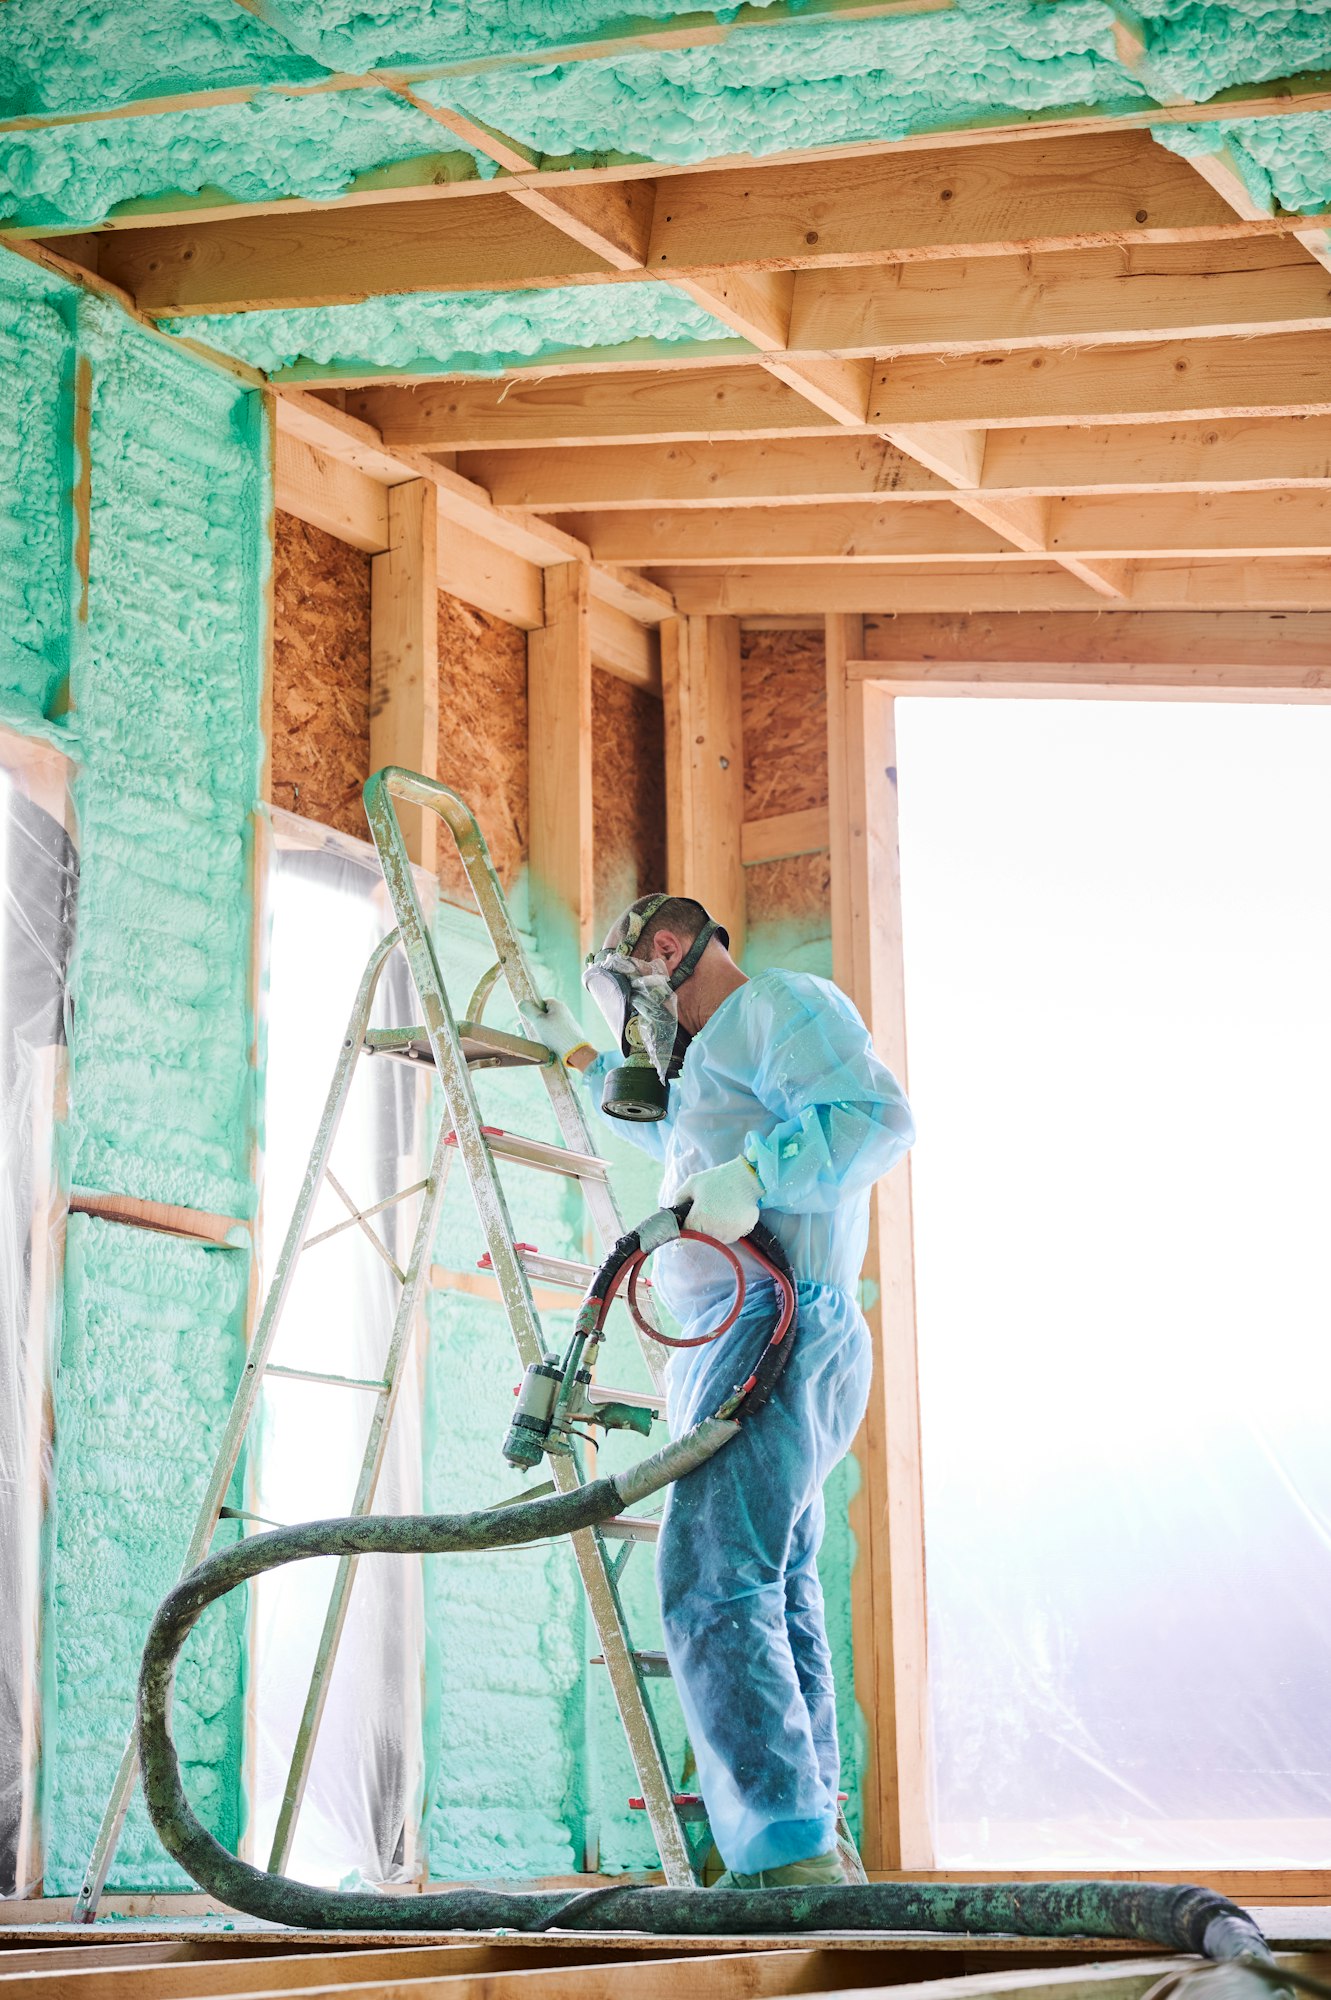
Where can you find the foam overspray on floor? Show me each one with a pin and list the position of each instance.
(138, 567)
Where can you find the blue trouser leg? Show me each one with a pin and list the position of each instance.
(740, 1600)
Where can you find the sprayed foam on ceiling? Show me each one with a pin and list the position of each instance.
(1194, 51)
(76, 55)
(457, 332)
(270, 147)
(1284, 161)
(765, 93)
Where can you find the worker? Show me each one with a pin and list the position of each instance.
(771, 1103)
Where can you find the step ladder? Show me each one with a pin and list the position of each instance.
(453, 1049)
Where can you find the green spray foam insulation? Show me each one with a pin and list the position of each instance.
(767, 92)
(1284, 162)
(75, 55)
(36, 421)
(163, 653)
(457, 332)
(271, 147)
(154, 1335)
(166, 696)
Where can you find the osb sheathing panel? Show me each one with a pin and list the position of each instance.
(785, 722)
(628, 796)
(794, 895)
(321, 675)
(483, 736)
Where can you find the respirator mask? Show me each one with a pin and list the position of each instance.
(637, 998)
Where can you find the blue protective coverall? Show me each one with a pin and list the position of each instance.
(783, 1072)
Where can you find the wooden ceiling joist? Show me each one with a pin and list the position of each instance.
(1180, 585)
(1118, 190)
(1274, 375)
(1111, 529)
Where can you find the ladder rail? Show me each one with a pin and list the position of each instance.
(242, 1404)
(372, 1460)
(500, 1236)
(394, 783)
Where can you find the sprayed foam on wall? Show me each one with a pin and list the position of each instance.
(1284, 162)
(166, 693)
(153, 1342)
(271, 147)
(36, 361)
(457, 332)
(162, 504)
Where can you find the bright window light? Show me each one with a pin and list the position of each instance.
(1118, 974)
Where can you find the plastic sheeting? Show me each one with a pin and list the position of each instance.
(38, 882)
(1118, 972)
(362, 1806)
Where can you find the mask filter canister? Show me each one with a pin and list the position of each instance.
(634, 1090)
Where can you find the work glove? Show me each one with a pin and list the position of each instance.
(557, 1026)
(723, 1200)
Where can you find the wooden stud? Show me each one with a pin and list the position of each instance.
(404, 652)
(887, 1585)
(559, 710)
(704, 747)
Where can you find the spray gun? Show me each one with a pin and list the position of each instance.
(555, 1397)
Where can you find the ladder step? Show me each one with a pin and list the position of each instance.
(652, 1666)
(316, 1375)
(637, 1399)
(687, 1804)
(630, 1528)
(556, 1271)
(539, 1153)
(482, 1047)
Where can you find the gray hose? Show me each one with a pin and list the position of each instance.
(1180, 1919)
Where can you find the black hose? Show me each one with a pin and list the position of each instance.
(1182, 1919)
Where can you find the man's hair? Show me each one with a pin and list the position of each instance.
(679, 914)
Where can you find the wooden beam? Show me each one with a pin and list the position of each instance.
(331, 257)
(1272, 375)
(331, 495)
(1262, 585)
(792, 534)
(834, 467)
(704, 747)
(1239, 453)
(1075, 680)
(1101, 296)
(887, 1584)
(1197, 640)
(629, 591)
(404, 652)
(196, 1224)
(491, 578)
(1039, 195)
(559, 709)
(624, 648)
(1118, 527)
(633, 408)
(784, 835)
